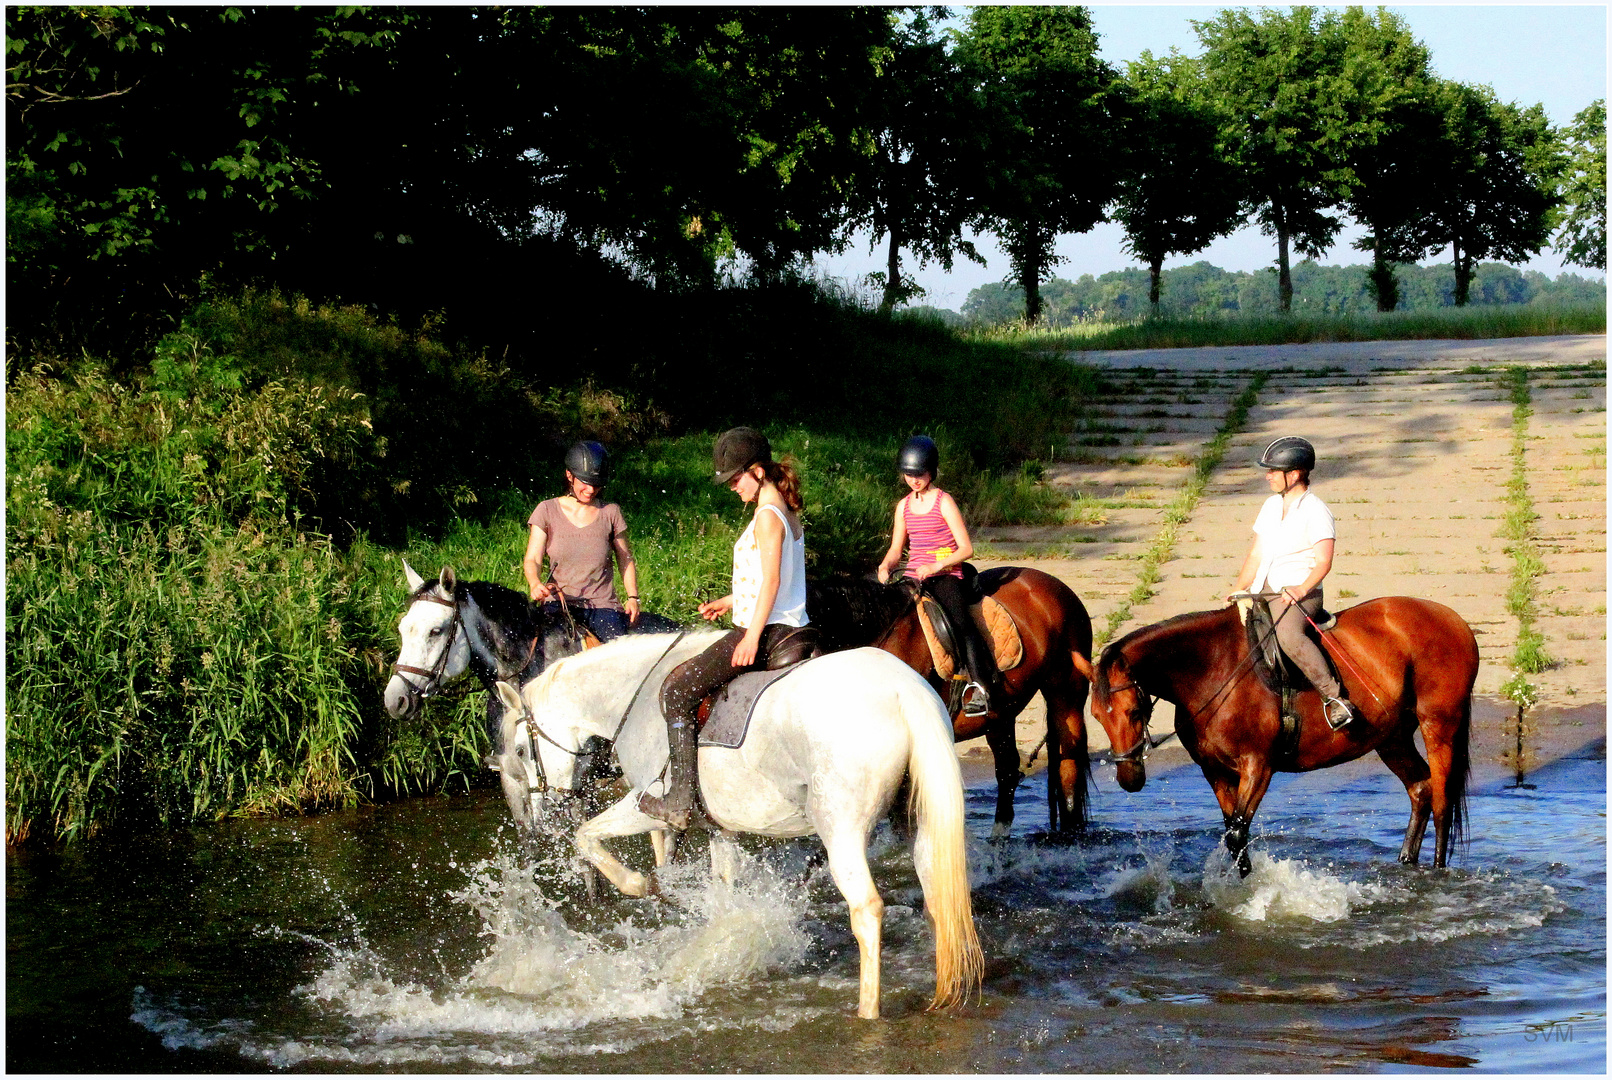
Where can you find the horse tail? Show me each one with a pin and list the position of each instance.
(936, 801)
(1460, 772)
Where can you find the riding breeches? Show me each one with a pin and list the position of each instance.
(699, 677)
(1299, 648)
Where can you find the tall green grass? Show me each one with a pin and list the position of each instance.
(1468, 323)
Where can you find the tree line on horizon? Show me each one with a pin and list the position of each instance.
(520, 168)
(1202, 289)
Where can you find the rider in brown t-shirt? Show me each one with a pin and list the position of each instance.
(581, 537)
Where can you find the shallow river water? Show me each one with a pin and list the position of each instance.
(422, 937)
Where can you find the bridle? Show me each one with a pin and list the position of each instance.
(433, 675)
(1138, 753)
(537, 781)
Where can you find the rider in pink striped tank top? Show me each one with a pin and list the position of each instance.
(930, 527)
(929, 538)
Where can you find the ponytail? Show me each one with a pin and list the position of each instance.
(783, 476)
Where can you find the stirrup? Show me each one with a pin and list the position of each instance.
(1340, 713)
(655, 806)
(976, 700)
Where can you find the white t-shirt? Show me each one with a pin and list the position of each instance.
(789, 606)
(1288, 543)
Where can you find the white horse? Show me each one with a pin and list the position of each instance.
(825, 753)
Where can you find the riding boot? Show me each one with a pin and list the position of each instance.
(675, 806)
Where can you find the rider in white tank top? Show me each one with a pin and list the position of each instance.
(789, 606)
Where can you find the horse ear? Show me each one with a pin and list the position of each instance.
(448, 581)
(414, 579)
(1083, 666)
(511, 698)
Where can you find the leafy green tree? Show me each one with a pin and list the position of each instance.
(1582, 237)
(1391, 121)
(913, 190)
(1180, 188)
(148, 146)
(1050, 162)
(1493, 188)
(1277, 77)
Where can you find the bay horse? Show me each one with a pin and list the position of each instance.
(826, 750)
(1407, 664)
(1056, 631)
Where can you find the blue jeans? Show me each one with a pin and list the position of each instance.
(606, 624)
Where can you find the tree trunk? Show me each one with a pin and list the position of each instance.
(1463, 274)
(1032, 280)
(1155, 268)
(1383, 282)
(1284, 273)
(892, 275)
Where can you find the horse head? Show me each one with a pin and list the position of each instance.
(535, 765)
(1124, 708)
(434, 650)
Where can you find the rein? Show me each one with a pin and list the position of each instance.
(1139, 751)
(540, 784)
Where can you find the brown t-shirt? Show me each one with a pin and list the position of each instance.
(582, 559)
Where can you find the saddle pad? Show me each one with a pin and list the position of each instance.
(729, 719)
(1006, 644)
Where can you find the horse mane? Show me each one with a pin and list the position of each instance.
(512, 619)
(851, 611)
(1143, 636)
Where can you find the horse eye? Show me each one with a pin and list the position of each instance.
(435, 630)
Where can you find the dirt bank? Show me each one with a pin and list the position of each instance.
(1414, 441)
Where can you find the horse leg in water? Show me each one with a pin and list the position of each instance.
(848, 864)
(1445, 731)
(1000, 737)
(1400, 755)
(1069, 771)
(622, 819)
(725, 857)
(1239, 794)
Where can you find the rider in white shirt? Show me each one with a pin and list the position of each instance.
(1291, 553)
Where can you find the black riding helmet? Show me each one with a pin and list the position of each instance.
(919, 456)
(736, 450)
(589, 462)
(1287, 453)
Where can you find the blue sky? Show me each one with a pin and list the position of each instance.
(1551, 54)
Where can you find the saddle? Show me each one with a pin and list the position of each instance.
(1279, 674)
(724, 717)
(945, 646)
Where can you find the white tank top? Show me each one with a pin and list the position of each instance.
(789, 606)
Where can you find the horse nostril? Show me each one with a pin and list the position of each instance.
(1131, 777)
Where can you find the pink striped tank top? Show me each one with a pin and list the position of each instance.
(929, 538)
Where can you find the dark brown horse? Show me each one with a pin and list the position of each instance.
(1406, 664)
(1057, 644)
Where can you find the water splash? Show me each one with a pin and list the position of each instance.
(541, 987)
(1324, 909)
